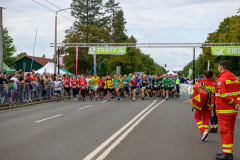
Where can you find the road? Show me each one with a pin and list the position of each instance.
(126, 130)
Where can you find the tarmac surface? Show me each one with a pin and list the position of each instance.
(141, 130)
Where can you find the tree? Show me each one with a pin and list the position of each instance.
(8, 48)
(44, 56)
(116, 21)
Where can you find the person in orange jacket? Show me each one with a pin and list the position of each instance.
(227, 106)
(202, 117)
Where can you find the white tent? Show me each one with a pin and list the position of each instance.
(172, 73)
(49, 68)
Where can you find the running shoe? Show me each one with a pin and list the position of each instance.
(65, 99)
(134, 99)
(101, 98)
(125, 98)
(57, 100)
(155, 97)
(142, 98)
(119, 98)
(83, 99)
(204, 135)
(108, 100)
(69, 99)
(91, 99)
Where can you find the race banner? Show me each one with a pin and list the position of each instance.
(225, 50)
(107, 50)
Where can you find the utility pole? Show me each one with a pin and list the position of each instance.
(55, 48)
(193, 65)
(1, 41)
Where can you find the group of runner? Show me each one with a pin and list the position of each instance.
(116, 86)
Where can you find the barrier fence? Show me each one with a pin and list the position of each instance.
(186, 91)
(26, 93)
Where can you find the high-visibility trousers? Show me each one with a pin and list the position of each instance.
(226, 128)
(202, 119)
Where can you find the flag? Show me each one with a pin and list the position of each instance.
(95, 64)
(34, 49)
(208, 66)
(190, 73)
(76, 58)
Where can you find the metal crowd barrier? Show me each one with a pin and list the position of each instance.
(186, 91)
(27, 93)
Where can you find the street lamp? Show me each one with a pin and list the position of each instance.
(55, 48)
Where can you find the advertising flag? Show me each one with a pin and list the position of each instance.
(76, 58)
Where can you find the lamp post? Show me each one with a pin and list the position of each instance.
(55, 48)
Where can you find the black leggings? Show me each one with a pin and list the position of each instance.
(177, 86)
(83, 93)
(75, 92)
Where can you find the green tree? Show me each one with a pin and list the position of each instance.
(8, 48)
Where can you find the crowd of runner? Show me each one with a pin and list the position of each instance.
(117, 86)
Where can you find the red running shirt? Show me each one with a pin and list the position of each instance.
(134, 83)
(83, 84)
(101, 84)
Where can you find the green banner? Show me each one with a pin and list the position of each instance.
(190, 73)
(225, 50)
(108, 50)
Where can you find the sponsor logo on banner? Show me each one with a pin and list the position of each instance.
(225, 50)
(108, 50)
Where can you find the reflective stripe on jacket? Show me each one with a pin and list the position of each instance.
(227, 93)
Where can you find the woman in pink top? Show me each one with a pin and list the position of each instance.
(133, 84)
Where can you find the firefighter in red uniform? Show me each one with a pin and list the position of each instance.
(202, 117)
(227, 106)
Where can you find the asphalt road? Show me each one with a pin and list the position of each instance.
(126, 130)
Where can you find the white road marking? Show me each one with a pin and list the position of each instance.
(124, 135)
(110, 139)
(48, 118)
(104, 101)
(85, 107)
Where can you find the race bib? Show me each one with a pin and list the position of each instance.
(74, 87)
(143, 87)
(83, 87)
(155, 85)
(105, 87)
(67, 86)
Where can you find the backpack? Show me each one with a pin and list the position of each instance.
(201, 97)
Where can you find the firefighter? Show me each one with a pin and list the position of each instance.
(227, 106)
(202, 117)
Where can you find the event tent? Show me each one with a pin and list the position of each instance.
(172, 73)
(7, 69)
(71, 74)
(49, 68)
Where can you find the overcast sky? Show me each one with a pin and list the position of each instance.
(150, 21)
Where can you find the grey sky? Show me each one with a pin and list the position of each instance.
(156, 21)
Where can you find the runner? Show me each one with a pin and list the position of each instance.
(161, 85)
(149, 85)
(94, 81)
(133, 84)
(87, 80)
(155, 84)
(166, 84)
(105, 88)
(109, 85)
(129, 79)
(172, 86)
(125, 81)
(57, 85)
(101, 87)
(83, 87)
(145, 83)
(67, 87)
(117, 86)
(74, 84)
(90, 89)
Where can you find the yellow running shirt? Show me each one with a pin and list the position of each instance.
(95, 79)
(109, 83)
